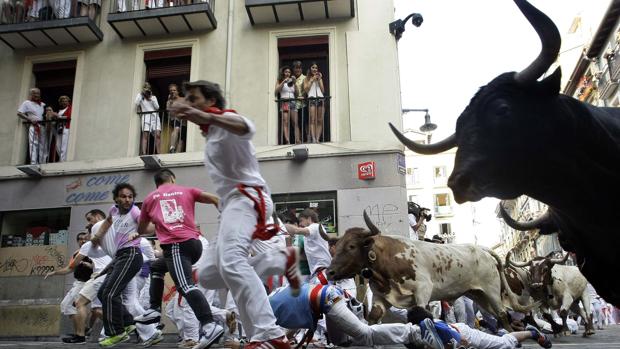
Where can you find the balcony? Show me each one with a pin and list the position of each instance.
(282, 11)
(606, 86)
(614, 66)
(45, 141)
(19, 29)
(442, 211)
(160, 133)
(294, 117)
(136, 18)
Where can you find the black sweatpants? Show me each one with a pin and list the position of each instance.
(178, 260)
(127, 263)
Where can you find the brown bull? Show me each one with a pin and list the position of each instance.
(406, 273)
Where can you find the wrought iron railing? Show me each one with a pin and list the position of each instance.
(18, 11)
(140, 5)
(294, 120)
(47, 141)
(161, 133)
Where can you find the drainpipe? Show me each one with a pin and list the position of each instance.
(229, 43)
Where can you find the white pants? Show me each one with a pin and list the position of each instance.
(597, 311)
(122, 5)
(483, 340)
(37, 144)
(143, 284)
(66, 306)
(62, 140)
(363, 335)
(228, 266)
(90, 290)
(130, 301)
(62, 9)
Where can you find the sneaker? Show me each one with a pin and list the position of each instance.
(209, 334)
(276, 343)
(114, 340)
(172, 150)
(130, 329)
(151, 316)
(74, 339)
(539, 337)
(292, 273)
(187, 344)
(231, 322)
(429, 334)
(155, 338)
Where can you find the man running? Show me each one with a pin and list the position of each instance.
(171, 209)
(245, 204)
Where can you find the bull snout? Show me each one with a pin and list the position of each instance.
(462, 187)
(330, 273)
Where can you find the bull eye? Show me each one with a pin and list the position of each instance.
(351, 247)
(502, 109)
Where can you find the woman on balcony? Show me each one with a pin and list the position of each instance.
(286, 92)
(314, 88)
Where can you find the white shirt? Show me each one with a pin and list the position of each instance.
(277, 241)
(412, 233)
(147, 105)
(96, 254)
(317, 249)
(33, 110)
(147, 250)
(287, 91)
(315, 90)
(116, 237)
(230, 159)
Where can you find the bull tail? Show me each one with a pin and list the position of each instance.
(507, 292)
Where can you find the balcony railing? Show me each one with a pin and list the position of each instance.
(614, 66)
(278, 11)
(141, 18)
(606, 86)
(443, 210)
(45, 23)
(294, 116)
(161, 133)
(47, 141)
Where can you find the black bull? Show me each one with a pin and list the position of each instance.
(519, 136)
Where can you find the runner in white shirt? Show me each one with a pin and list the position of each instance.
(316, 247)
(118, 237)
(245, 204)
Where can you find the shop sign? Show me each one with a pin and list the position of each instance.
(366, 170)
(92, 189)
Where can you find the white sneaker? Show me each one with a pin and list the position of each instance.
(209, 334)
(151, 316)
(155, 338)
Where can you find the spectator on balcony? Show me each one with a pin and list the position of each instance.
(179, 126)
(153, 3)
(314, 88)
(286, 92)
(148, 108)
(31, 111)
(88, 8)
(63, 124)
(300, 104)
(12, 12)
(62, 8)
(33, 8)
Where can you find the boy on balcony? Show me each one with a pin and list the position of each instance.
(148, 108)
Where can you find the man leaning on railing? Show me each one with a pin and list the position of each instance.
(31, 111)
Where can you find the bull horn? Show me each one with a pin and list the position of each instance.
(559, 260)
(373, 228)
(549, 37)
(426, 149)
(523, 226)
(517, 264)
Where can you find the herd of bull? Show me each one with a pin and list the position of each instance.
(572, 165)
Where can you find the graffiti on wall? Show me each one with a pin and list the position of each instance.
(32, 261)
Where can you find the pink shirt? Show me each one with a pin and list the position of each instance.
(171, 209)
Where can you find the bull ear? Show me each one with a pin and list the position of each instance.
(550, 85)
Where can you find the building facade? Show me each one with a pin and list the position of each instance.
(101, 63)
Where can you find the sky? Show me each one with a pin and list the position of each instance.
(461, 46)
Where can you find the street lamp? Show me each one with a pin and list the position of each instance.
(397, 28)
(428, 126)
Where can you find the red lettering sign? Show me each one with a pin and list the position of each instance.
(366, 170)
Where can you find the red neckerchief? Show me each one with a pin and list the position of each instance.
(217, 111)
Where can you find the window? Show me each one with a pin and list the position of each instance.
(54, 80)
(163, 69)
(413, 176)
(290, 205)
(442, 204)
(294, 114)
(35, 227)
(439, 172)
(445, 229)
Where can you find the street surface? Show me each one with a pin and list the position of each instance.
(604, 339)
